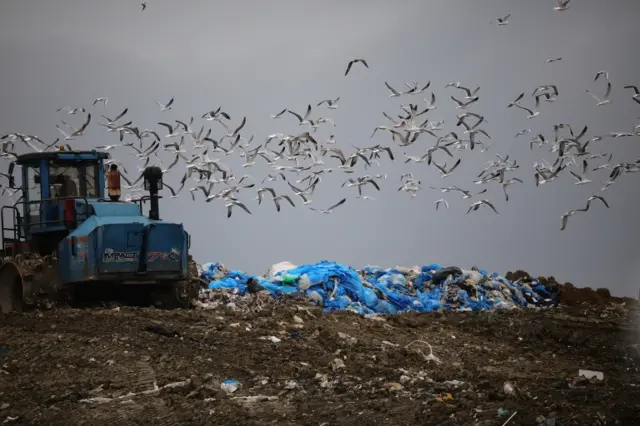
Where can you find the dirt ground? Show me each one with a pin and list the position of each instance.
(297, 366)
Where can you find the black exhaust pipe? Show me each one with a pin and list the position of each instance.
(153, 184)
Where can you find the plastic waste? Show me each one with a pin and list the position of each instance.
(374, 290)
(230, 386)
(280, 267)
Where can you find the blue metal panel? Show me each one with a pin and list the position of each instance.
(44, 180)
(25, 206)
(92, 260)
(108, 209)
(185, 250)
(100, 179)
(116, 247)
(64, 259)
(76, 156)
(165, 248)
(113, 254)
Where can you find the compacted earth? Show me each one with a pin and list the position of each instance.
(255, 361)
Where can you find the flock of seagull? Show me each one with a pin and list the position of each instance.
(301, 159)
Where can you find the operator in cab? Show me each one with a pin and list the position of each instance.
(68, 187)
(113, 183)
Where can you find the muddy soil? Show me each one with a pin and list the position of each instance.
(297, 366)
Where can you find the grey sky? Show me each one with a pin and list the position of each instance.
(255, 58)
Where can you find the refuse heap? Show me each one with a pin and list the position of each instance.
(387, 291)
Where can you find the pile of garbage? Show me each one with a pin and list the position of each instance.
(374, 290)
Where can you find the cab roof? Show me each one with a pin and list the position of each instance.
(36, 157)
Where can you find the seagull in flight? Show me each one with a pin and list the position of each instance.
(232, 203)
(167, 106)
(113, 122)
(277, 200)
(144, 5)
(590, 199)
(599, 73)
(565, 218)
(107, 147)
(394, 92)
(76, 132)
(362, 61)
(464, 105)
(550, 61)
(562, 5)
(581, 180)
(532, 113)
(503, 21)
(173, 131)
(104, 101)
(475, 206)
(444, 173)
(636, 92)
(605, 100)
(302, 120)
(331, 104)
(507, 183)
(330, 209)
(278, 115)
(441, 201)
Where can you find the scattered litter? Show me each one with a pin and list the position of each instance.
(337, 364)
(174, 385)
(509, 419)
(230, 386)
(254, 399)
(393, 386)
(430, 357)
(444, 398)
(374, 290)
(96, 400)
(591, 374)
(509, 388)
(290, 384)
(349, 339)
(272, 339)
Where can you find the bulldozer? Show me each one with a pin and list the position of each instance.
(63, 242)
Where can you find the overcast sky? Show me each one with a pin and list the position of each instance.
(255, 58)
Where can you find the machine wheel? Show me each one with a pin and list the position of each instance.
(11, 296)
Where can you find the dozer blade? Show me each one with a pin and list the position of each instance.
(11, 297)
(28, 281)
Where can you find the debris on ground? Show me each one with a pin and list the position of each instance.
(201, 367)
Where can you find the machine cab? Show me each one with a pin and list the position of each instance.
(56, 188)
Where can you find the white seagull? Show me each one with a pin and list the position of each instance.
(167, 106)
(502, 21)
(562, 5)
(330, 209)
(605, 100)
(440, 201)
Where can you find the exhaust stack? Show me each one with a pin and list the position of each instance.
(153, 183)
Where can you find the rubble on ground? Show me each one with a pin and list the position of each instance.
(289, 363)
